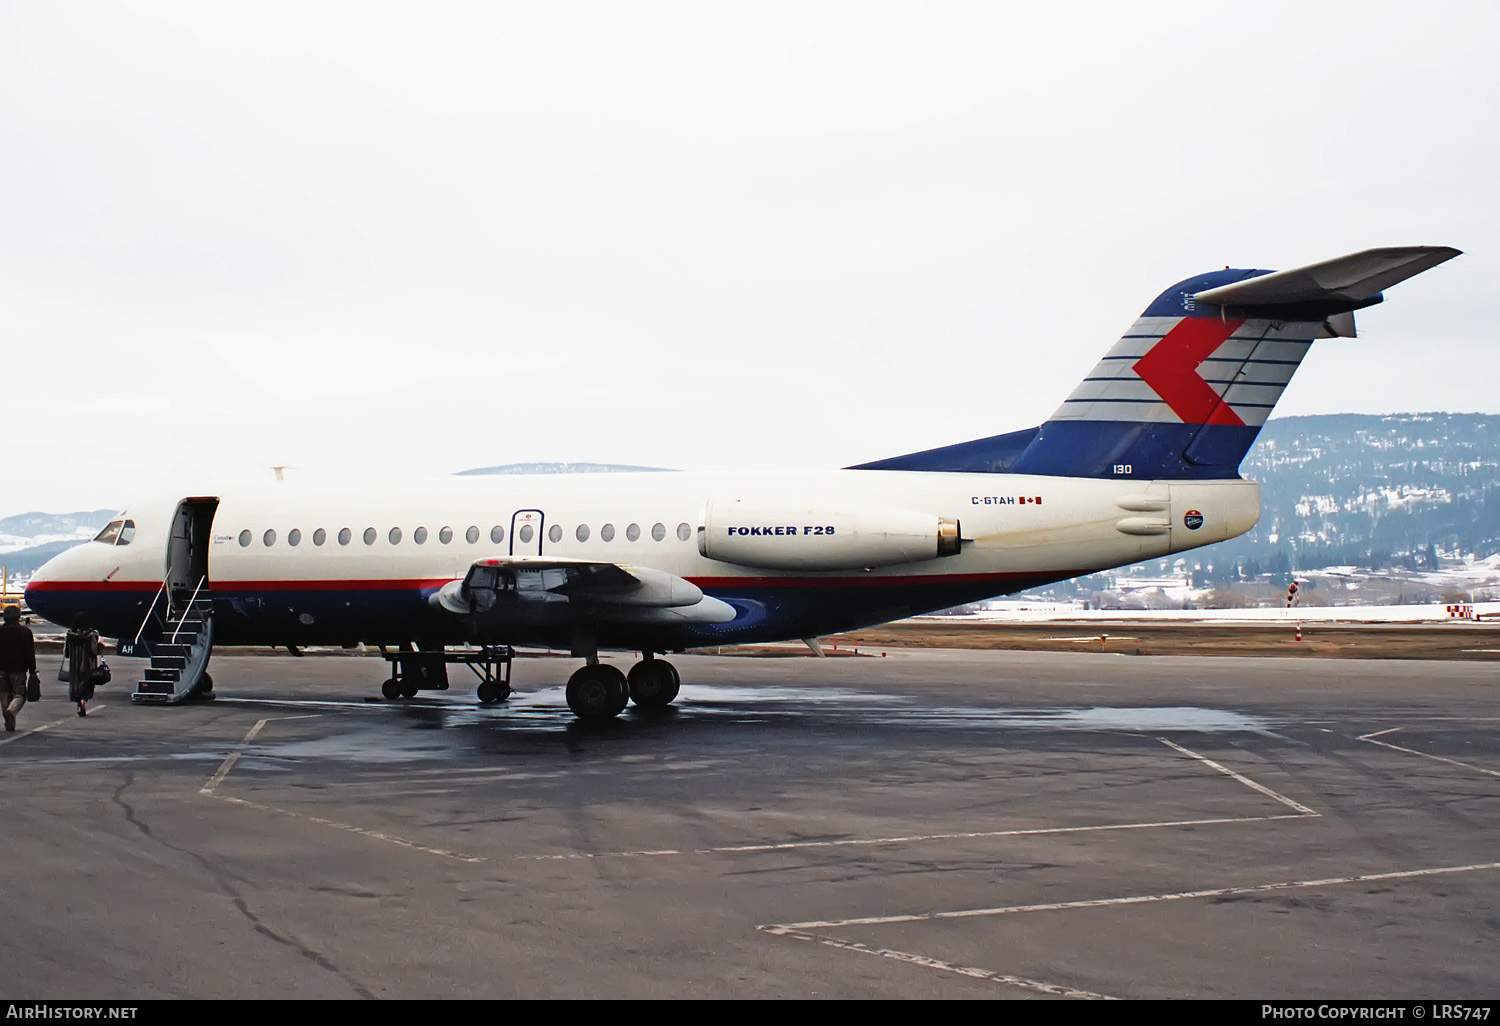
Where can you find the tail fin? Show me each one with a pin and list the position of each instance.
(1184, 393)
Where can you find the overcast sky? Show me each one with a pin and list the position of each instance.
(414, 238)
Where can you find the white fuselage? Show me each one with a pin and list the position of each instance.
(369, 555)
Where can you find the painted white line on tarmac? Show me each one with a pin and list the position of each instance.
(233, 757)
(1370, 739)
(239, 749)
(1057, 990)
(742, 849)
(208, 791)
(348, 828)
(1138, 899)
(1283, 799)
(47, 726)
(1388, 730)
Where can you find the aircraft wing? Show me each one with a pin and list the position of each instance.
(529, 590)
(1343, 283)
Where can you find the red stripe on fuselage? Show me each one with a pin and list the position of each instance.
(40, 586)
(221, 587)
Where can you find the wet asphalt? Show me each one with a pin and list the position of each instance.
(927, 824)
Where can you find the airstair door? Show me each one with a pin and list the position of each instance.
(187, 548)
(182, 640)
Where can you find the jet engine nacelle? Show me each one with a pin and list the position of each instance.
(772, 535)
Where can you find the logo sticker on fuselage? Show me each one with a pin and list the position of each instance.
(1192, 520)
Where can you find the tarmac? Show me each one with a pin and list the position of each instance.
(927, 824)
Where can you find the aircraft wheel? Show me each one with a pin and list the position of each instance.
(653, 683)
(492, 691)
(391, 689)
(597, 692)
(409, 689)
(205, 689)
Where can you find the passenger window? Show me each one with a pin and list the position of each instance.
(294, 537)
(684, 531)
(126, 533)
(497, 533)
(344, 536)
(395, 536)
(658, 532)
(607, 532)
(555, 534)
(582, 534)
(269, 538)
(244, 537)
(110, 533)
(419, 535)
(633, 532)
(471, 535)
(525, 534)
(320, 536)
(369, 536)
(445, 535)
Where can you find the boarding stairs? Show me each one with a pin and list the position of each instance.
(178, 641)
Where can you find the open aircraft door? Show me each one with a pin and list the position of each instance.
(187, 548)
(177, 634)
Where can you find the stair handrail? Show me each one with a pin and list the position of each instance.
(187, 609)
(147, 618)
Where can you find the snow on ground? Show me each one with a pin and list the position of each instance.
(1042, 612)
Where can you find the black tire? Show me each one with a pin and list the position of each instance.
(203, 691)
(409, 689)
(597, 692)
(653, 684)
(493, 691)
(621, 690)
(676, 681)
(391, 689)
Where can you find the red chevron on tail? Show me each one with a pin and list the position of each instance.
(1171, 369)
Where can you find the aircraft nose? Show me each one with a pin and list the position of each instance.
(38, 599)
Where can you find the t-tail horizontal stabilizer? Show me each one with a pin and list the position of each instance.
(1183, 394)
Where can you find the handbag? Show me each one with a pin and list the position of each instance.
(100, 675)
(64, 675)
(33, 688)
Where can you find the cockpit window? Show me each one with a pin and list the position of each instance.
(110, 533)
(127, 533)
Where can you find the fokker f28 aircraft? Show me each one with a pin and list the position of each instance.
(1140, 461)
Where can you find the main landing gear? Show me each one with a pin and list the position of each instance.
(598, 691)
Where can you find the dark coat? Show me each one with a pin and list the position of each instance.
(81, 648)
(17, 648)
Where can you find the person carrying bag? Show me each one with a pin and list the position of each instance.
(18, 680)
(81, 655)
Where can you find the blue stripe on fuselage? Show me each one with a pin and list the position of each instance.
(768, 611)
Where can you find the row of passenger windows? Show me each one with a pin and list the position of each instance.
(525, 536)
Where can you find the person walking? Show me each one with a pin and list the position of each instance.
(81, 649)
(17, 661)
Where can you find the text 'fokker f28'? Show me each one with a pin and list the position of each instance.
(1141, 460)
